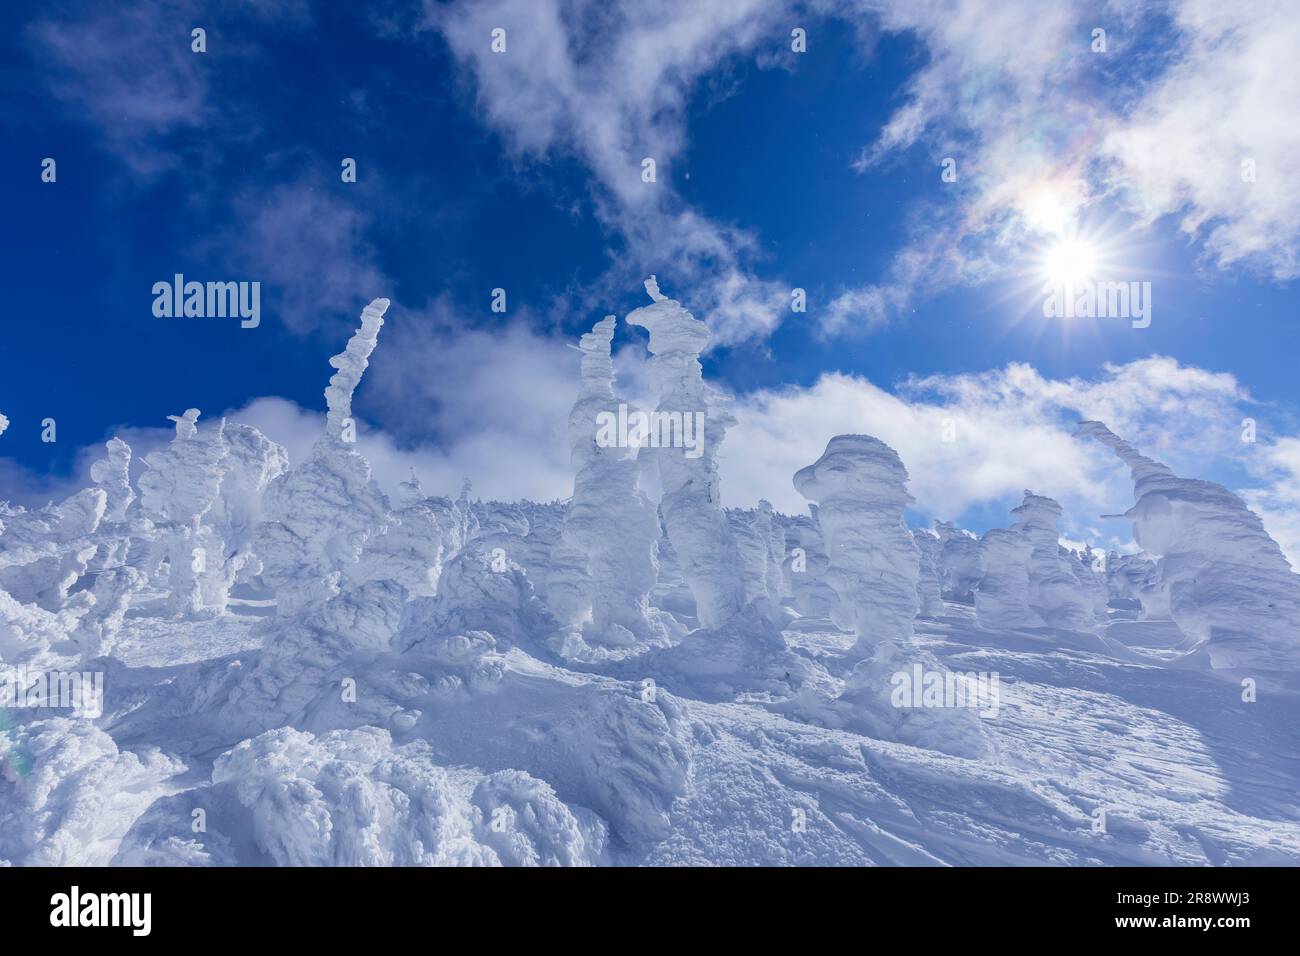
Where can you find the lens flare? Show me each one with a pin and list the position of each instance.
(1070, 260)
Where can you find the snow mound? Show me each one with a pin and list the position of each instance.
(352, 798)
(68, 794)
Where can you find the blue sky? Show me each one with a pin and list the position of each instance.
(521, 170)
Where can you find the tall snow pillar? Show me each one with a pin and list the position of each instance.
(606, 563)
(860, 487)
(688, 470)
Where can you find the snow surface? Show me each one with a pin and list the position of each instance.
(299, 671)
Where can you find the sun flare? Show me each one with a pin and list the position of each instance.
(1070, 260)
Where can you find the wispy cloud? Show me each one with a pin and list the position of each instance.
(1230, 98)
(128, 69)
(310, 245)
(1041, 126)
(611, 86)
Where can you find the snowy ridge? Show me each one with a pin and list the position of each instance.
(299, 671)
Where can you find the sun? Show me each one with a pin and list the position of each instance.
(1070, 260)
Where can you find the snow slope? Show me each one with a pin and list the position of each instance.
(299, 671)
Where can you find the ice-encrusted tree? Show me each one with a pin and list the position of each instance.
(860, 487)
(760, 544)
(928, 591)
(805, 567)
(958, 563)
(180, 484)
(44, 552)
(320, 514)
(1002, 594)
(1218, 574)
(203, 494)
(1056, 593)
(691, 504)
(1029, 579)
(113, 475)
(251, 463)
(604, 565)
(1128, 577)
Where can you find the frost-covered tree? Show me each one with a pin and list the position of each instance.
(691, 504)
(959, 562)
(860, 487)
(1222, 579)
(928, 592)
(605, 562)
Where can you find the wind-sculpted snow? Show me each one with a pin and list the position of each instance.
(1030, 580)
(350, 798)
(297, 670)
(75, 794)
(353, 798)
(113, 475)
(928, 591)
(859, 485)
(959, 565)
(605, 563)
(28, 632)
(1218, 574)
(44, 552)
(691, 505)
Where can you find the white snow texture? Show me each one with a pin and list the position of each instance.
(295, 670)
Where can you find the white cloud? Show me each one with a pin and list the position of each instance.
(1002, 444)
(1012, 430)
(130, 71)
(484, 457)
(611, 85)
(1231, 96)
(488, 404)
(1278, 500)
(310, 249)
(998, 97)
